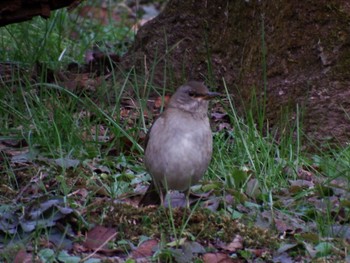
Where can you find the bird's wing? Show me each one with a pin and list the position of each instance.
(158, 122)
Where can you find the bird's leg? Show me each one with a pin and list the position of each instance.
(187, 196)
(162, 197)
(162, 190)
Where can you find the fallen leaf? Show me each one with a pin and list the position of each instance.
(145, 249)
(23, 257)
(67, 163)
(176, 243)
(98, 236)
(235, 245)
(161, 101)
(217, 258)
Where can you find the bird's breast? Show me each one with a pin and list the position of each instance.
(179, 151)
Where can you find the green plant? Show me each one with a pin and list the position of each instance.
(63, 38)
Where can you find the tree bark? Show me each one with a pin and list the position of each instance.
(291, 54)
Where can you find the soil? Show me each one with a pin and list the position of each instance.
(292, 56)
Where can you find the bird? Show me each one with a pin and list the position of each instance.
(179, 144)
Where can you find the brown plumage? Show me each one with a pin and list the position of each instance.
(179, 144)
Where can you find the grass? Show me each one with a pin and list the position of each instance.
(265, 155)
(250, 161)
(64, 38)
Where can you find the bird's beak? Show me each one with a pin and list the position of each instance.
(210, 95)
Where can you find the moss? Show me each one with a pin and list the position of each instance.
(204, 225)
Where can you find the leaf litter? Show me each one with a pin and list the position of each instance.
(289, 226)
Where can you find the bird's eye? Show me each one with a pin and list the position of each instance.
(191, 93)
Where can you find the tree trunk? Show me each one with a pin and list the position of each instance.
(288, 53)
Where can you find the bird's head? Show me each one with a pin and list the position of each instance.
(192, 97)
